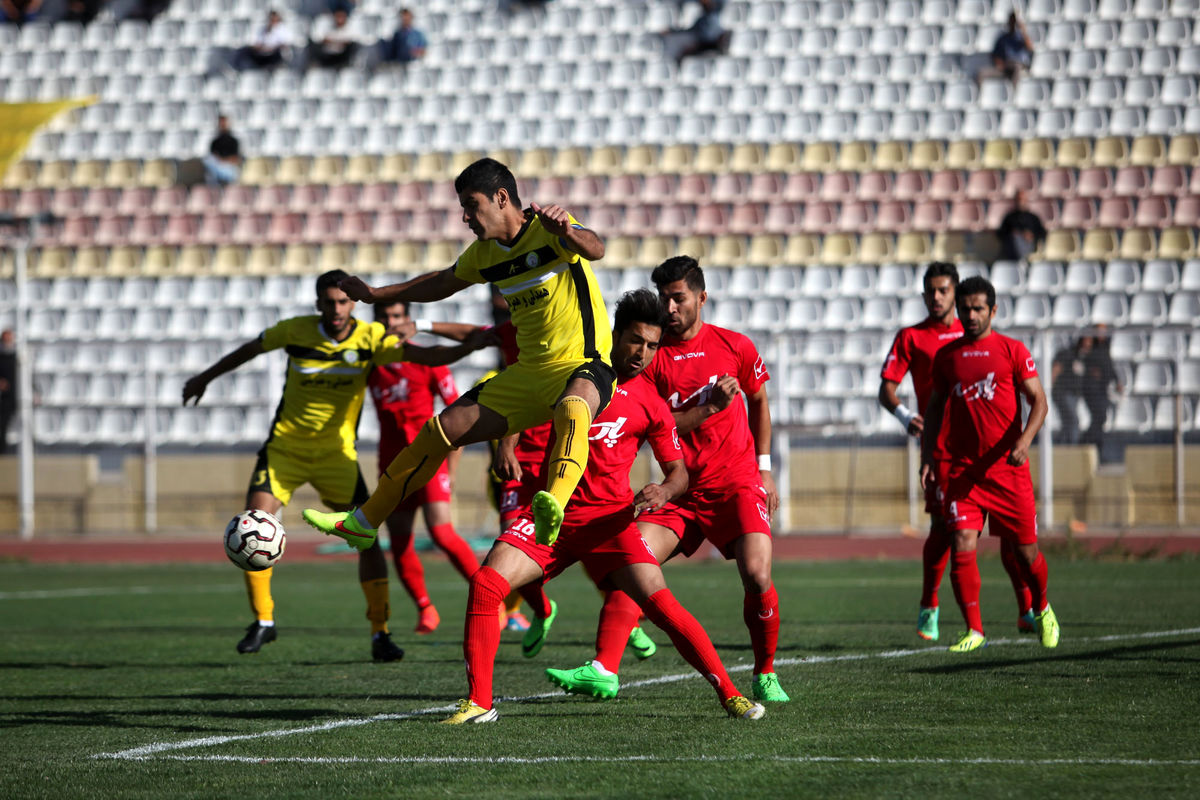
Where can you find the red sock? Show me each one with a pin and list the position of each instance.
(456, 549)
(617, 618)
(482, 636)
(1016, 574)
(964, 577)
(934, 556)
(1035, 576)
(690, 639)
(409, 568)
(535, 597)
(761, 613)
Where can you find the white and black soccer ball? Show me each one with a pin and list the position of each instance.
(254, 540)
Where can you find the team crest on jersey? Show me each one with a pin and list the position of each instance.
(350, 356)
(760, 368)
(531, 260)
(609, 432)
(1029, 365)
(984, 389)
(700, 395)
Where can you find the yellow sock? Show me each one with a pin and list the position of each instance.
(512, 603)
(568, 457)
(413, 468)
(378, 609)
(258, 589)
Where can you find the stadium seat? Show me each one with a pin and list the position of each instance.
(1148, 308)
(1177, 243)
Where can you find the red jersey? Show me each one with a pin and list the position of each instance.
(720, 452)
(912, 351)
(533, 442)
(981, 383)
(403, 393)
(635, 415)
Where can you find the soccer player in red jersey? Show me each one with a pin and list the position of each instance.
(912, 351)
(977, 382)
(598, 528)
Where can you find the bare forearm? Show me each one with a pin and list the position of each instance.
(1037, 417)
(427, 288)
(688, 421)
(452, 330)
(888, 397)
(759, 411)
(675, 480)
(438, 356)
(232, 361)
(586, 243)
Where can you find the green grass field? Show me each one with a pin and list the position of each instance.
(123, 682)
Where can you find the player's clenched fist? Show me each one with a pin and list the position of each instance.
(357, 289)
(554, 218)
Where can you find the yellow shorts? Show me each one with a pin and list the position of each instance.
(283, 467)
(526, 394)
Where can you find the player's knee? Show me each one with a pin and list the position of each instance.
(756, 574)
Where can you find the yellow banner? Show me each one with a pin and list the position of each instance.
(20, 121)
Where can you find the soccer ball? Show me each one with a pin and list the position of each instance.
(254, 540)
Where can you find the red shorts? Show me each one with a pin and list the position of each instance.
(517, 495)
(935, 492)
(720, 518)
(436, 491)
(1003, 498)
(603, 545)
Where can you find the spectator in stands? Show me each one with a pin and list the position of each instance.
(1013, 50)
(1083, 371)
(705, 34)
(18, 12)
(8, 385)
(269, 47)
(405, 45)
(223, 164)
(332, 42)
(1021, 231)
(82, 11)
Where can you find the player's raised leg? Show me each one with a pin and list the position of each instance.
(569, 453)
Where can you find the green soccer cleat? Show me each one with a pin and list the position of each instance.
(1027, 622)
(470, 714)
(585, 680)
(547, 517)
(767, 689)
(971, 640)
(343, 524)
(643, 646)
(539, 629)
(927, 624)
(1047, 626)
(742, 708)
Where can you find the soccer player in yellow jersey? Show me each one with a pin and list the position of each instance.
(538, 259)
(312, 438)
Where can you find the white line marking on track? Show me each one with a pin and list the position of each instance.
(148, 751)
(107, 591)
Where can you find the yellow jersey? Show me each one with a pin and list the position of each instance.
(552, 294)
(326, 379)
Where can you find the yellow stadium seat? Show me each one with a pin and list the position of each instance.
(1177, 243)
(876, 248)
(22, 175)
(819, 157)
(913, 247)
(126, 261)
(160, 260)
(362, 169)
(432, 166)
(56, 174)
(1111, 151)
(698, 247)
(89, 173)
(855, 156)
(327, 169)
(640, 160)
(407, 257)
(927, 154)
(964, 154)
(1136, 243)
(1184, 150)
(606, 160)
(293, 170)
(950, 246)
(891, 157)
(766, 249)
(728, 251)
(230, 259)
(676, 159)
(7, 265)
(505, 156)
(534, 163)
(1148, 151)
(398, 167)
(711, 158)
(195, 259)
(1036, 154)
(997, 154)
(90, 262)
(159, 172)
(619, 252)
(264, 259)
(1061, 245)
(653, 250)
(51, 262)
(439, 255)
(568, 161)
(782, 157)
(839, 248)
(460, 161)
(123, 173)
(1075, 152)
(802, 249)
(300, 259)
(258, 171)
(370, 257)
(747, 157)
(337, 256)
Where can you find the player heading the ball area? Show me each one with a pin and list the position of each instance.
(599, 528)
(977, 381)
(313, 435)
(913, 351)
(538, 259)
(703, 371)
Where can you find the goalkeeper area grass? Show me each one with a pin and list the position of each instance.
(123, 681)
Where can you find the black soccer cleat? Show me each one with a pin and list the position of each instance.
(256, 636)
(384, 649)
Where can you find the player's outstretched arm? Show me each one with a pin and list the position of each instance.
(427, 288)
(442, 355)
(654, 496)
(890, 400)
(557, 222)
(194, 387)
(457, 331)
(1038, 408)
(933, 424)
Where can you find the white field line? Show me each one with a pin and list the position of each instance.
(151, 750)
(110, 591)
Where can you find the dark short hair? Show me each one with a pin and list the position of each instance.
(381, 308)
(939, 269)
(640, 305)
(976, 285)
(679, 268)
(488, 176)
(331, 278)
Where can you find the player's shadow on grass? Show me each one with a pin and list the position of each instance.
(1111, 653)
